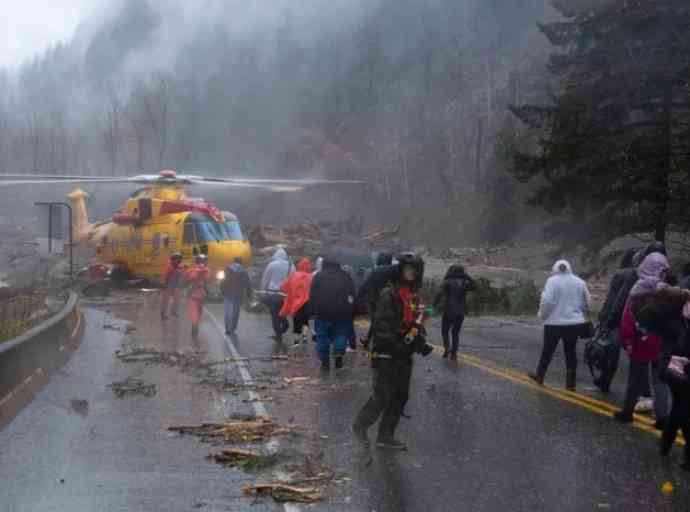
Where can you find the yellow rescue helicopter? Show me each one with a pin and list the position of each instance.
(160, 219)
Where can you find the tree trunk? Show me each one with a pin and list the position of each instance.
(663, 196)
(478, 153)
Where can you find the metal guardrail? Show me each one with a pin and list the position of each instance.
(20, 313)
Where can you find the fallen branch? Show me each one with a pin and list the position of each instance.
(284, 493)
(253, 430)
(242, 458)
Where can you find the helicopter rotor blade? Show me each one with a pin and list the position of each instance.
(5, 182)
(253, 186)
(297, 182)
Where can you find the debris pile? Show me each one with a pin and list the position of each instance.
(149, 356)
(242, 459)
(132, 386)
(248, 429)
(310, 237)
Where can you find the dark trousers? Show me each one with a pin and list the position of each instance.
(275, 304)
(451, 326)
(552, 335)
(679, 418)
(231, 307)
(301, 319)
(638, 385)
(391, 392)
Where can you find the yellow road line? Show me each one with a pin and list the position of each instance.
(591, 404)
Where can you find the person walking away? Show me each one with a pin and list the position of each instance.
(296, 304)
(199, 277)
(676, 372)
(452, 297)
(332, 298)
(564, 307)
(396, 337)
(643, 348)
(612, 312)
(172, 278)
(235, 286)
(277, 271)
(628, 279)
(666, 313)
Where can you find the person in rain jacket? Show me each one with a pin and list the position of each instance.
(199, 277)
(296, 304)
(564, 307)
(173, 275)
(332, 299)
(455, 286)
(274, 275)
(643, 348)
(235, 286)
(610, 315)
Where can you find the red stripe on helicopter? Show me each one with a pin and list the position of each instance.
(169, 207)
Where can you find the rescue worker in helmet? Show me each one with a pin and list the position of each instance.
(173, 275)
(397, 335)
(199, 277)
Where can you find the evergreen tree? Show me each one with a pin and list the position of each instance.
(613, 142)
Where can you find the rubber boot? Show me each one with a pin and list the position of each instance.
(570, 378)
(538, 376)
(338, 362)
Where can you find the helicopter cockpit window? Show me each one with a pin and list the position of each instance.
(202, 229)
(233, 230)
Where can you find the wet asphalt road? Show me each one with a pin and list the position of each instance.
(478, 440)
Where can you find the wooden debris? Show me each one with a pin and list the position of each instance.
(283, 493)
(151, 356)
(242, 458)
(251, 430)
(133, 386)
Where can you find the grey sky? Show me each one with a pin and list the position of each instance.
(30, 26)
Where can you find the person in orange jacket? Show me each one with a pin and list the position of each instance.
(296, 304)
(173, 275)
(199, 276)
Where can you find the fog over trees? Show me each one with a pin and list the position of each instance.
(422, 99)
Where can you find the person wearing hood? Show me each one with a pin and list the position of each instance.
(332, 299)
(452, 296)
(296, 304)
(276, 272)
(234, 286)
(564, 307)
(643, 348)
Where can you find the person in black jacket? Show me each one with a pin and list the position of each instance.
(396, 337)
(612, 312)
(332, 299)
(455, 286)
(372, 286)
